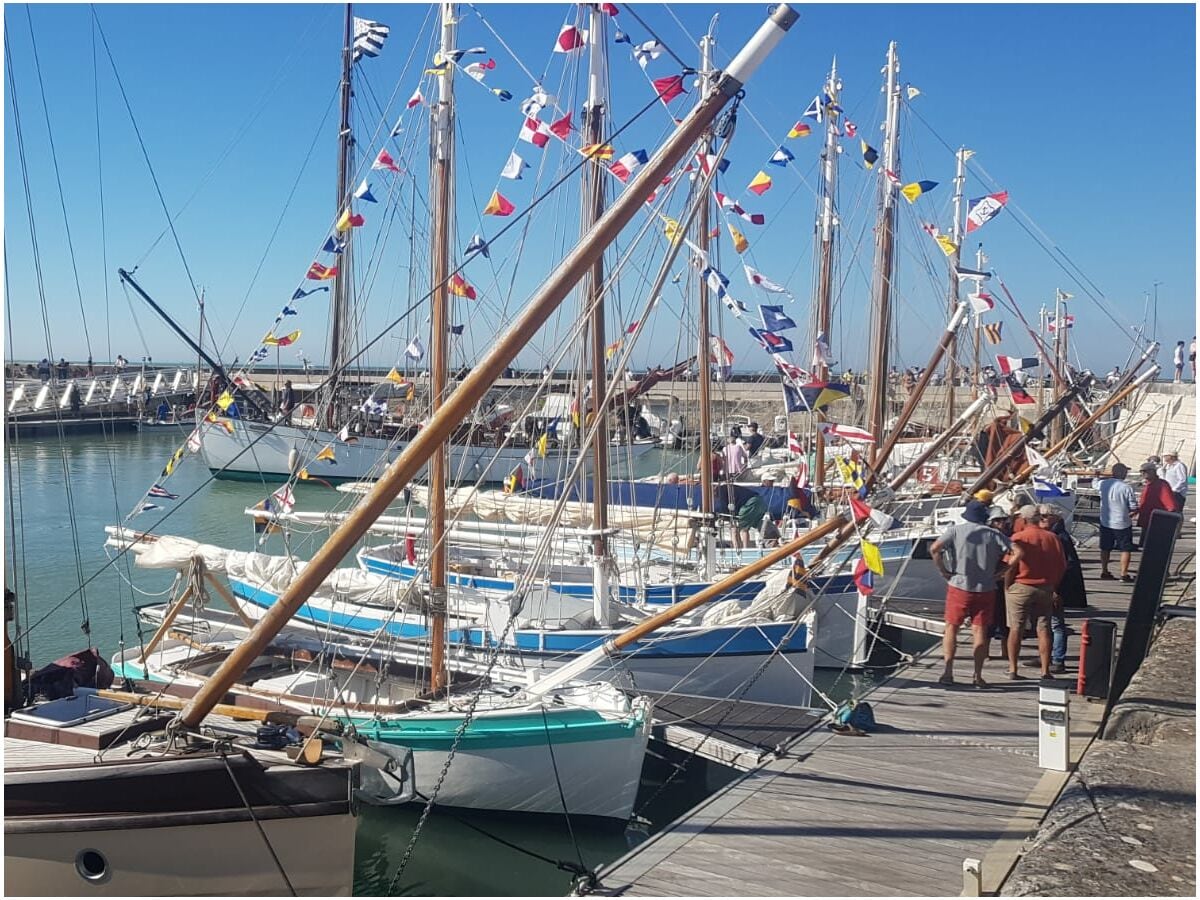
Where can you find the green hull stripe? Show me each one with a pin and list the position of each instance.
(518, 730)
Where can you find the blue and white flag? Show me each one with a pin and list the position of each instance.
(814, 110)
(772, 342)
(961, 272)
(363, 192)
(478, 245)
(774, 318)
(301, 293)
(159, 491)
(781, 157)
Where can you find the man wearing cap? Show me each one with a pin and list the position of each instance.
(1175, 473)
(1029, 587)
(970, 556)
(1117, 506)
(1156, 494)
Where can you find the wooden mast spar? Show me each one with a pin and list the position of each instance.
(441, 138)
(341, 282)
(881, 331)
(458, 404)
(593, 303)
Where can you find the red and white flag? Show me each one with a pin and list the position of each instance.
(569, 39)
(877, 517)
(384, 161)
(416, 99)
(846, 432)
(535, 132)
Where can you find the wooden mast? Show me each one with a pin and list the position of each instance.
(341, 282)
(884, 257)
(708, 530)
(593, 302)
(953, 293)
(459, 404)
(441, 136)
(826, 222)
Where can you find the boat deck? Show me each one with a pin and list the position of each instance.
(740, 735)
(951, 774)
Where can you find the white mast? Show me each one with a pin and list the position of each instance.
(956, 232)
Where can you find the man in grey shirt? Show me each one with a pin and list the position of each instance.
(970, 556)
(1117, 506)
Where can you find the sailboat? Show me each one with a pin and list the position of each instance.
(274, 450)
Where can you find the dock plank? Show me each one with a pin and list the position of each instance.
(951, 773)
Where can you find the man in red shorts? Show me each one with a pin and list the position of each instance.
(970, 556)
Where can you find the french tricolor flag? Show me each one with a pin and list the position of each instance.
(628, 164)
(1010, 364)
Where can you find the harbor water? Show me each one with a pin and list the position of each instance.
(61, 495)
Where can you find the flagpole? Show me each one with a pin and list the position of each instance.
(825, 273)
(708, 531)
(978, 330)
(1056, 425)
(441, 134)
(341, 281)
(955, 258)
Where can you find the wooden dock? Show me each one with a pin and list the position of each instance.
(950, 775)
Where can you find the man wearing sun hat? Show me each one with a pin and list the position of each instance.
(970, 556)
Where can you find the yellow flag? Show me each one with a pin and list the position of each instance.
(543, 443)
(948, 246)
(395, 377)
(671, 229)
(328, 454)
(225, 401)
(303, 474)
(872, 557)
(412, 391)
(740, 244)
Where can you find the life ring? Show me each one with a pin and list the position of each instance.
(307, 411)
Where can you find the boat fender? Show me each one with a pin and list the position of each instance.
(855, 716)
(293, 459)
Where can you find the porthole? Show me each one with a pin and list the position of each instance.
(92, 865)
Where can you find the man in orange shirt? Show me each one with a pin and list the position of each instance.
(1029, 586)
(1156, 494)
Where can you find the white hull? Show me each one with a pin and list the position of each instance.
(215, 859)
(598, 778)
(255, 450)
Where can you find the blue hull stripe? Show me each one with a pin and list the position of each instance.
(659, 594)
(745, 640)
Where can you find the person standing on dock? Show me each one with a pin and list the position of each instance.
(975, 563)
(1156, 494)
(1117, 506)
(1029, 588)
(1071, 592)
(1176, 475)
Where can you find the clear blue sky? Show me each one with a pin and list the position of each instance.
(1084, 113)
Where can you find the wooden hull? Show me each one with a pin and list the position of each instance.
(178, 826)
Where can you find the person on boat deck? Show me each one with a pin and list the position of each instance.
(1176, 475)
(1156, 494)
(754, 440)
(736, 459)
(1029, 588)
(164, 410)
(970, 557)
(748, 509)
(287, 402)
